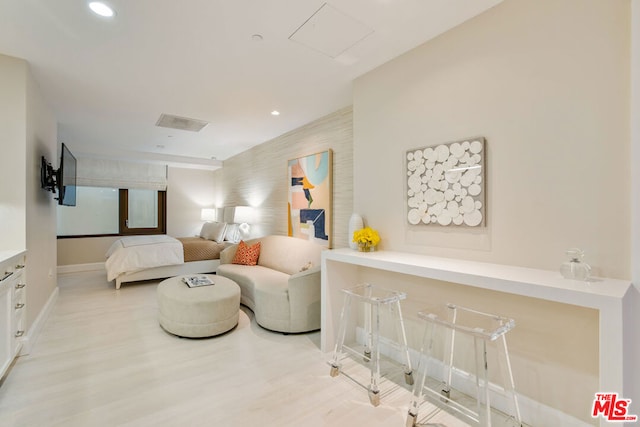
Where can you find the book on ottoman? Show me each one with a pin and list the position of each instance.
(196, 281)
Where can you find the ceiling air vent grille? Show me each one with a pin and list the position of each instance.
(182, 123)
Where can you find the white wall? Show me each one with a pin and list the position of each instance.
(258, 177)
(13, 109)
(41, 207)
(189, 190)
(547, 84)
(27, 214)
(631, 359)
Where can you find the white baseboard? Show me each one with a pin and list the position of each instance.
(38, 324)
(533, 412)
(75, 268)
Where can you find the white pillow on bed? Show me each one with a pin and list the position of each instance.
(213, 231)
(232, 234)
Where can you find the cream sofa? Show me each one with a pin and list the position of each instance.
(283, 290)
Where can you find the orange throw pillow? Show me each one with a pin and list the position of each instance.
(247, 255)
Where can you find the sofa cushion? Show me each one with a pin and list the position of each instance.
(248, 277)
(247, 254)
(288, 254)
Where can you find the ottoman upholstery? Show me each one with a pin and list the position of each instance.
(198, 312)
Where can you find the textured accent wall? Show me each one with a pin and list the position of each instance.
(257, 177)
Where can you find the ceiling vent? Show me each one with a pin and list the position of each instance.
(182, 123)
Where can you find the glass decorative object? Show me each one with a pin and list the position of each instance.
(366, 247)
(575, 267)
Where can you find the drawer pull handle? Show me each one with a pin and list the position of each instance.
(19, 266)
(6, 275)
(19, 334)
(20, 285)
(19, 306)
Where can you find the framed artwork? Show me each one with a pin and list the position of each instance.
(446, 184)
(309, 183)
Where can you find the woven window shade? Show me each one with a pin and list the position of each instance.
(120, 174)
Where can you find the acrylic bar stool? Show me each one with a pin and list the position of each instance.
(483, 328)
(373, 299)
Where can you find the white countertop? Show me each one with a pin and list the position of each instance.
(549, 285)
(8, 254)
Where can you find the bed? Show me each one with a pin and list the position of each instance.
(135, 258)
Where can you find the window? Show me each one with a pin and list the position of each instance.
(110, 211)
(142, 212)
(96, 213)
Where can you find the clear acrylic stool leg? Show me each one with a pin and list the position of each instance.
(449, 352)
(374, 390)
(507, 377)
(367, 325)
(342, 330)
(423, 364)
(396, 311)
(482, 382)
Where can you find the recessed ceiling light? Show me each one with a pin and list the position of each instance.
(101, 9)
(275, 113)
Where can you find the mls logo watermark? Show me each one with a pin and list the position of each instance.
(612, 408)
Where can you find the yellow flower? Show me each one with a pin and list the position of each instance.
(366, 236)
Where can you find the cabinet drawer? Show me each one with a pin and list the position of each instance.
(13, 321)
(18, 272)
(19, 315)
(11, 272)
(19, 330)
(19, 307)
(7, 275)
(19, 293)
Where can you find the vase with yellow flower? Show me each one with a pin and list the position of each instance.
(367, 239)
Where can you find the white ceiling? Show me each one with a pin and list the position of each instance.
(108, 80)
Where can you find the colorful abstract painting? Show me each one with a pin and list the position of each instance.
(309, 181)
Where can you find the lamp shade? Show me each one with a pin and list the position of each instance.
(208, 214)
(243, 214)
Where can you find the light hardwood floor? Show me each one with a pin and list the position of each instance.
(103, 360)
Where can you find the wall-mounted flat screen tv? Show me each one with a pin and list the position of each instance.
(67, 178)
(47, 176)
(62, 180)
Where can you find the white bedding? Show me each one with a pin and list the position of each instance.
(134, 253)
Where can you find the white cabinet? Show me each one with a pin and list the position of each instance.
(13, 306)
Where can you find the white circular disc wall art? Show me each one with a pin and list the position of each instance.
(445, 184)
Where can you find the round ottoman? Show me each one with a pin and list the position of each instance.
(198, 312)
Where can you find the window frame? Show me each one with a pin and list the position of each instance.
(123, 209)
(124, 212)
